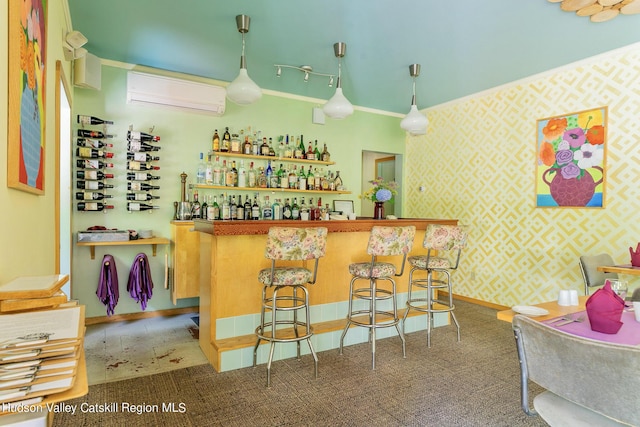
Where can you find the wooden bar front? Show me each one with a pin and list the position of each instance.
(232, 254)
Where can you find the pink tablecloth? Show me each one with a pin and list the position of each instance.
(628, 334)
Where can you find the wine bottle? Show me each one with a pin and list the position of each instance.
(295, 209)
(135, 206)
(133, 135)
(141, 197)
(87, 133)
(92, 143)
(142, 157)
(140, 176)
(247, 208)
(92, 164)
(195, 207)
(92, 153)
(138, 146)
(92, 174)
(90, 120)
(92, 185)
(326, 157)
(141, 186)
(91, 195)
(93, 206)
(204, 209)
(225, 146)
(215, 141)
(141, 166)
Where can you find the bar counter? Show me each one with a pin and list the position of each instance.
(232, 254)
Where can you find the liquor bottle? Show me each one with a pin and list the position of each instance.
(92, 185)
(93, 206)
(216, 179)
(311, 180)
(141, 146)
(304, 209)
(242, 175)
(317, 185)
(326, 157)
(204, 208)
(276, 210)
(297, 152)
(325, 181)
(312, 210)
(247, 208)
(283, 177)
(288, 153)
(236, 144)
(145, 157)
(295, 209)
(293, 177)
(91, 195)
(302, 179)
(318, 209)
(92, 153)
(225, 144)
(226, 209)
(86, 133)
(92, 143)
(280, 152)
(140, 176)
(264, 148)
(232, 175)
(272, 151)
(240, 209)
(208, 171)
(301, 150)
(255, 146)
(93, 174)
(90, 120)
(262, 178)
(141, 166)
(234, 208)
(269, 173)
(267, 212)
(337, 182)
(247, 147)
(141, 197)
(141, 186)
(255, 209)
(215, 141)
(214, 210)
(133, 135)
(332, 183)
(286, 210)
(135, 206)
(311, 155)
(223, 173)
(252, 178)
(316, 151)
(196, 213)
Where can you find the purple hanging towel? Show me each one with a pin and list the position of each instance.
(108, 284)
(140, 285)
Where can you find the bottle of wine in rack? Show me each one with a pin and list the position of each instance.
(141, 136)
(140, 146)
(141, 166)
(86, 133)
(91, 195)
(92, 185)
(140, 176)
(92, 153)
(92, 164)
(135, 206)
(142, 157)
(92, 174)
(90, 120)
(92, 143)
(93, 206)
(141, 186)
(141, 197)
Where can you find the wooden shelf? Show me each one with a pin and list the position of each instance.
(154, 242)
(274, 190)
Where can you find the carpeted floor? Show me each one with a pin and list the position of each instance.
(471, 383)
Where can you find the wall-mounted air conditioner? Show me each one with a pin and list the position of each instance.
(152, 89)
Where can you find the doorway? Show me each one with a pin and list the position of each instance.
(389, 167)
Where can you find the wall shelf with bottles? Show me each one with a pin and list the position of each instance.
(274, 190)
(273, 158)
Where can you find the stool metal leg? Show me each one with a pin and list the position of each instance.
(372, 329)
(350, 310)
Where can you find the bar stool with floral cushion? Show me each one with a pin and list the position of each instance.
(284, 245)
(383, 242)
(444, 244)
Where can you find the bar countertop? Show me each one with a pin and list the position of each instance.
(238, 228)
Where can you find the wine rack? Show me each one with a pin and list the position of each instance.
(93, 165)
(141, 161)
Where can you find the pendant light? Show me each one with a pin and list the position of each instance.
(415, 122)
(243, 90)
(338, 107)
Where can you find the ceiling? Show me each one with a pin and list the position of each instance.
(463, 46)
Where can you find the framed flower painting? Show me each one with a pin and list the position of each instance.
(570, 160)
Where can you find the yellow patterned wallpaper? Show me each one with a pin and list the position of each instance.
(477, 163)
